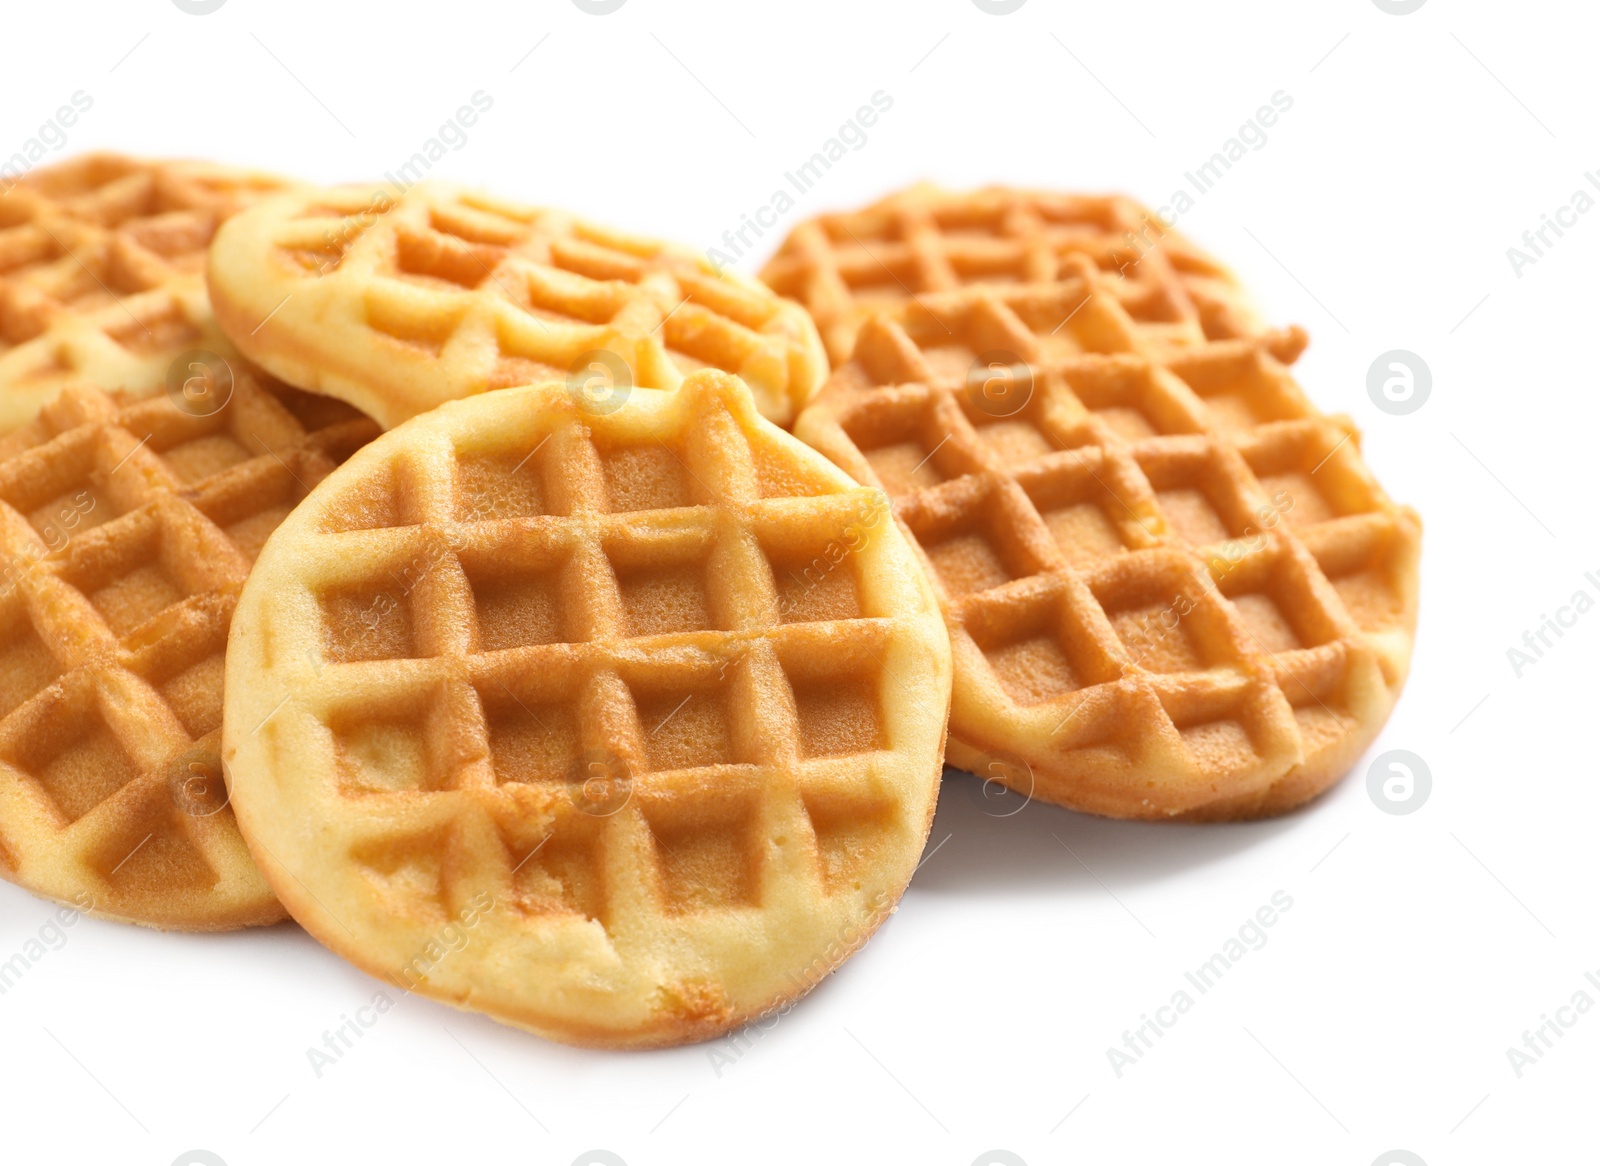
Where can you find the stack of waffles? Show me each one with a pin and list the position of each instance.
(129, 518)
(587, 696)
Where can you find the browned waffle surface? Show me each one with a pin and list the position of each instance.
(127, 531)
(102, 273)
(399, 300)
(844, 267)
(622, 727)
(1172, 586)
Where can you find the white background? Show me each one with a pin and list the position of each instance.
(1378, 214)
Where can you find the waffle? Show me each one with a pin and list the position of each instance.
(620, 727)
(398, 301)
(923, 240)
(102, 273)
(1172, 586)
(126, 532)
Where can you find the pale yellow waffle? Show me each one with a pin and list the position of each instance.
(924, 240)
(624, 727)
(1172, 587)
(398, 301)
(102, 273)
(126, 532)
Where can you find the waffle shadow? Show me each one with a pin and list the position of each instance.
(991, 840)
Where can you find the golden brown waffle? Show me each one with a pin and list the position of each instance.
(126, 533)
(1172, 587)
(397, 302)
(102, 273)
(924, 240)
(622, 727)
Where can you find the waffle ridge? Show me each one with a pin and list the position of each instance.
(102, 273)
(1172, 585)
(685, 752)
(400, 300)
(127, 530)
(846, 267)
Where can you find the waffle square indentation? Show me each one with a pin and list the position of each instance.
(1084, 516)
(685, 730)
(645, 477)
(905, 445)
(705, 858)
(815, 576)
(516, 610)
(386, 749)
(851, 833)
(65, 745)
(663, 600)
(1158, 613)
(26, 665)
(838, 701)
(152, 852)
(367, 621)
(1312, 476)
(1241, 390)
(977, 545)
(498, 486)
(531, 741)
(1197, 499)
(1364, 572)
(1133, 401)
(1035, 653)
(128, 572)
(563, 876)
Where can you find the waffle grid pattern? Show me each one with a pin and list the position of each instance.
(398, 302)
(102, 273)
(127, 531)
(1172, 585)
(846, 267)
(648, 599)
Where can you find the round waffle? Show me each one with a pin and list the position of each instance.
(397, 301)
(1172, 586)
(844, 267)
(126, 533)
(621, 725)
(102, 273)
